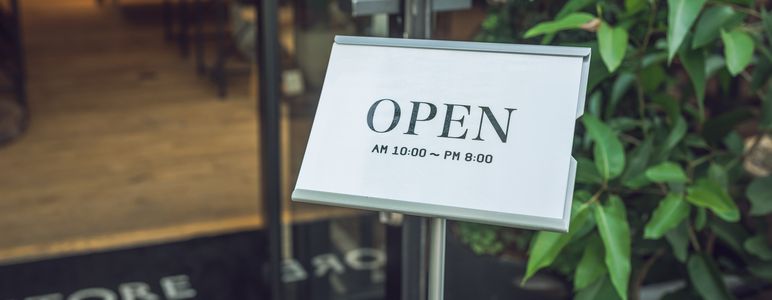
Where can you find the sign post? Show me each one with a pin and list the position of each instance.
(418, 24)
(478, 132)
(436, 258)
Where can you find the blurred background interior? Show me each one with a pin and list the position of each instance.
(133, 153)
(129, 165)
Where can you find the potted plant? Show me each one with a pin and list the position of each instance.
(673, 179)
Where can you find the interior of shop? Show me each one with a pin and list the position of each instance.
(131, 133)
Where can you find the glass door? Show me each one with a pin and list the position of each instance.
(328, 252)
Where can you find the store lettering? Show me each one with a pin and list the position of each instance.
(178, 287)
(175, 287)
(455, 116)
(362, 259)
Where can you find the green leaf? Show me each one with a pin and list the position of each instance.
(600, 289)
(761, 73)
(676, 188)
(666, 172)
(668, 214)
(570, 21)
(615, 233)
(709, 194)
(734, 143)
(594, 103)
(716, 128)
(767, 21)
(613, 45)
(711, 22)
(618, 89)
(738, 50)
(669, 104)
(681, 16)
(674, 137)
(732, 234)
(623, 124)
(651, 77)
(591, 267)
(573, 6)
(766, 111)
(706, 279)
(718, 174)
(694, 63)
(759, 192)
(608, 150)
(581, 196)
(654, 58)
(732, 216)
(490, 22)
(762, 270)
(713, 64)
(586, 172)
(758, 246)
(696, 141)
(700, 218)
(544, 249)
(633, 6)
(684, 293)
(637, 182)
(679, 241)
(546, 245)
(747, 3)
(639, 160)
(598, 72)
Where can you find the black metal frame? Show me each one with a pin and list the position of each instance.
(270, 88)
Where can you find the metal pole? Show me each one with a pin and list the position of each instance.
(413, 256)
(437, 259)
(418, 25)
(270, 82)
(418, 19)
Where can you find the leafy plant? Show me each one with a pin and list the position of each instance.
(483, 239)
(675, 88)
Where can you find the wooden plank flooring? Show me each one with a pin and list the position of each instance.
(127, 145)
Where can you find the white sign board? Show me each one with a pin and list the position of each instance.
(468, 131)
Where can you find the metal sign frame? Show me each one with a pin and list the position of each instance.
(372, 7)
(464, 214)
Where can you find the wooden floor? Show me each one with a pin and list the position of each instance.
(126, 146)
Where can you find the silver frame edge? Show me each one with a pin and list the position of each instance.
(424, 209)
(463, 46)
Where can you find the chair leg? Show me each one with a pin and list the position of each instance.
(199, 36)
(183, 38)
(167, 18)
(20, 76)
(219, 72)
